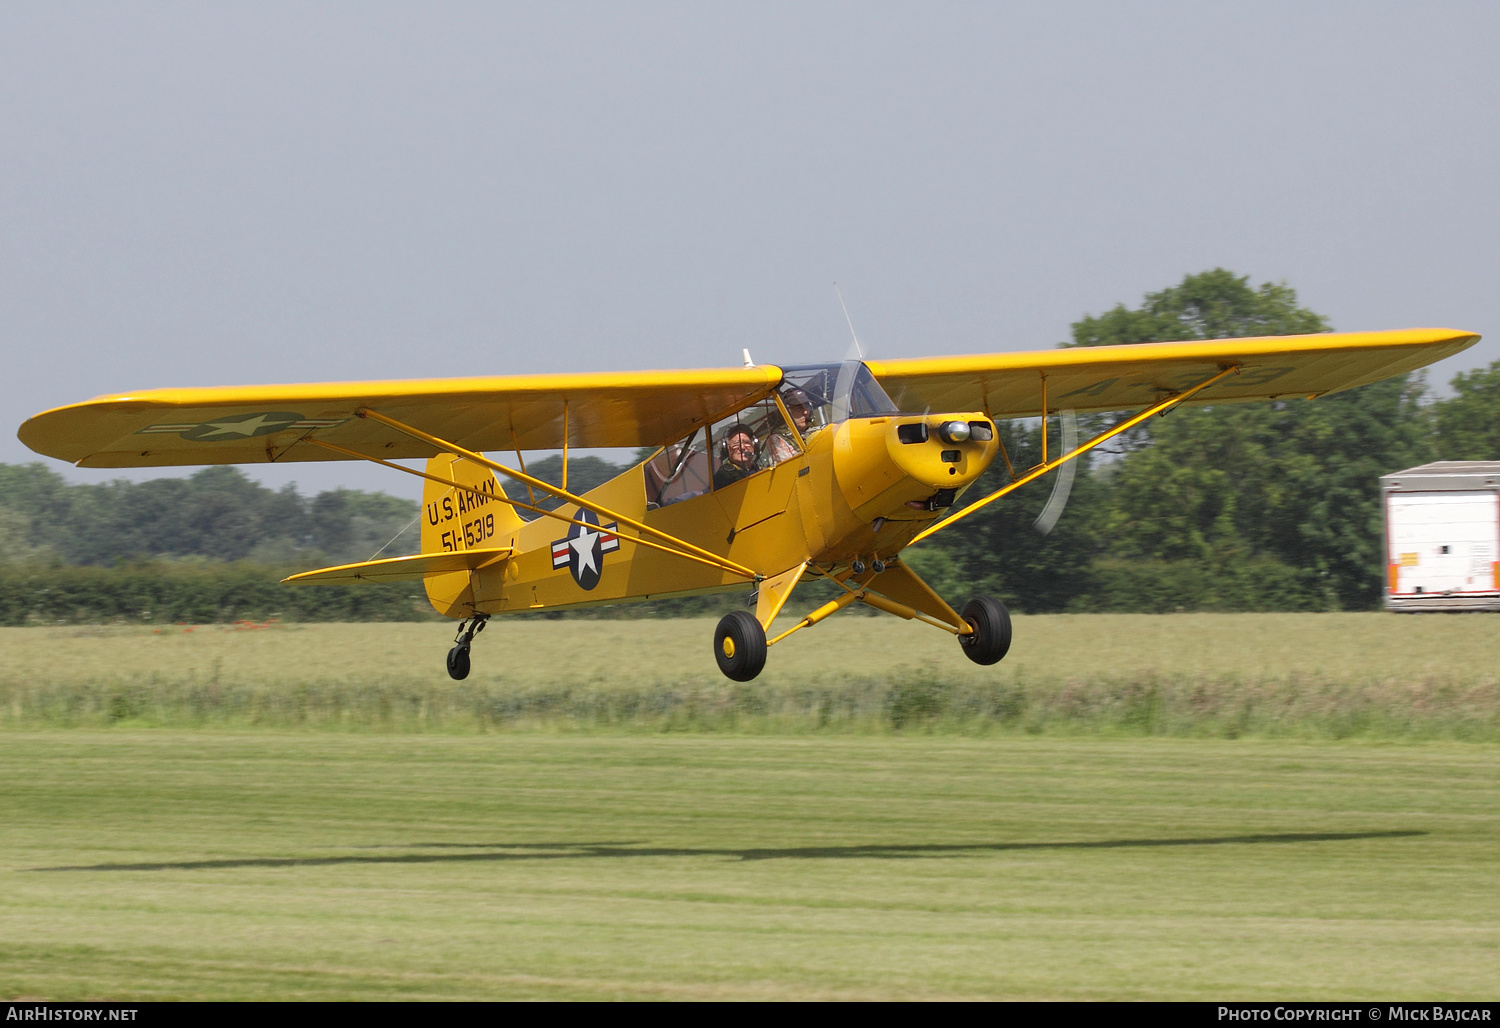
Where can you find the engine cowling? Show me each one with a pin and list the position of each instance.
(886, 466)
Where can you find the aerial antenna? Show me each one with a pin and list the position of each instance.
(860, 350)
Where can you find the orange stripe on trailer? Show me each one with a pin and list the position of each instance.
(1395, 574)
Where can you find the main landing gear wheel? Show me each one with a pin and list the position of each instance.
(740, 646)
(458, 663)
(458, 657)
(991, 637)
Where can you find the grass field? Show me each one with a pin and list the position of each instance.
(1312, 675)
(176, 864)
(1180, 807)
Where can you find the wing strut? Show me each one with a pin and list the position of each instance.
(680, 547)
(1041, 469)
(525, 506)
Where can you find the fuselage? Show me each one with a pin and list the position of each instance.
(856, 487)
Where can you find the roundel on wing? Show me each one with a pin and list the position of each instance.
(242, 426)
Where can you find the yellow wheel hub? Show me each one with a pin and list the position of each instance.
(728, 647)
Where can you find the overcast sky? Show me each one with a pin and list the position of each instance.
(210, 194)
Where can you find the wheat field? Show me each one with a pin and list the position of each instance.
(1230, 674)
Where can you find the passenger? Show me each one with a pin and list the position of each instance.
(783, 445)
(739, 457)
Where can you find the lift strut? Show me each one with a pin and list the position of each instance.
(1160, 407)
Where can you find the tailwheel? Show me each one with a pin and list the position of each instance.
(740, 646)
(991, 636)
(458, 657)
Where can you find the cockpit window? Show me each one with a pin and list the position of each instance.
(678, 472)
(837, 392)
(757, 437)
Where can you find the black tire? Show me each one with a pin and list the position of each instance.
(740, 646)
(458, 663)
(991, 639)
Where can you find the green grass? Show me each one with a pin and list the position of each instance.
(235, 865)
(1127, 807)
(1272, 675)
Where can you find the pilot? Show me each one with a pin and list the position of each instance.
(739, 457)
(783, 445)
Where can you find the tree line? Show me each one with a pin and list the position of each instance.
(1262, 506)
(211, 547)
(217, 514)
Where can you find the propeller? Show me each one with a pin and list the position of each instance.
(1062, 485)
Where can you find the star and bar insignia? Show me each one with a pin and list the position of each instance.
(242, 426)
(582, 551)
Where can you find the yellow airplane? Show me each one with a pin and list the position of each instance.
(762, 475)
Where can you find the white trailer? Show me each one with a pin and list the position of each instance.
(1442, 537)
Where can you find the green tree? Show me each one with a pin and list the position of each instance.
(1295, 480)
(1290, 488)
(1468, 424)
(1213, 304)
(216, 513)
(584, 473)
(998, 550)
(1181, 504)
(15, 540)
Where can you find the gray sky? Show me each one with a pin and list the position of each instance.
(208, 194)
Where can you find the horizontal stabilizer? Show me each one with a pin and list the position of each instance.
(405, 569)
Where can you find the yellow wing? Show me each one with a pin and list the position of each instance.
(263, 424)
(1102, 378)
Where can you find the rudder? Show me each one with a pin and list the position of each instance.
(455, 520)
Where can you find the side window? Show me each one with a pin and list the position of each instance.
(812, 388)
(679, 472)
(752, 440)
(738, 450)
(807, 418)
(758, 437)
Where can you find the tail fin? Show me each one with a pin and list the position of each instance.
(455, 520)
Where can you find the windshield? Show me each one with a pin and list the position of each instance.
(837, 392)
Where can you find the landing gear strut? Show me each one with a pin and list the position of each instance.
(458, 657)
